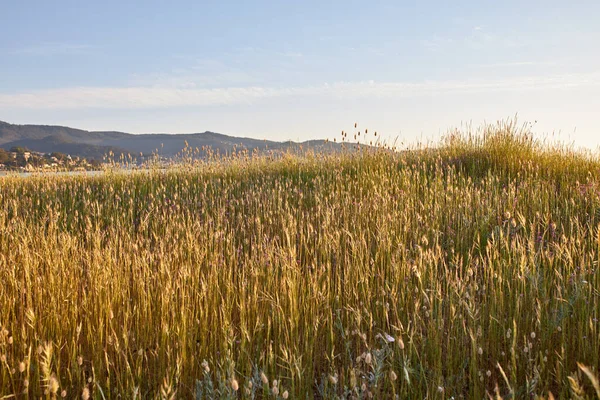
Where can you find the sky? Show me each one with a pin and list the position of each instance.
(284, 70)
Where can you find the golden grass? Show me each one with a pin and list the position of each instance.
(466, 270)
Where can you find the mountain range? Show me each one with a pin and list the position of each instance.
(95, 145)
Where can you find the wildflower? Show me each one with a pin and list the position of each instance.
(368, 359)
(21, 367)
(234, 385)
(488, 373)
(401, 343)
(264, 378)
(480, 351)
(532, 335)
(205, 366)
(440, 389)
(79, 361)
(333, 379)
(393, 376)
(275, 390)
(85, 395)
(63, 394)
(386, 337)
(285, 394)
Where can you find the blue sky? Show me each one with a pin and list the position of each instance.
(300, 70)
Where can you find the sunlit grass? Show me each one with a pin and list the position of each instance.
(463, 270)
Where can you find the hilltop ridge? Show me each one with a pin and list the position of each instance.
(95, 144)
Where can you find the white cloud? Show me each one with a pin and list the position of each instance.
(291, 54)
(171, 97)
(514, 64)
(437, 43)
(47, 49)
(132, 97)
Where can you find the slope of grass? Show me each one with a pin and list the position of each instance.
(463, 270)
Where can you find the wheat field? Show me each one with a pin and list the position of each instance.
(466, 269)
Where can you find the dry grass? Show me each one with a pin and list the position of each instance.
(468, 270)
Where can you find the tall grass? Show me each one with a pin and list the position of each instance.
(466, 270)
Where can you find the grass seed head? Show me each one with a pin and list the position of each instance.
(53, 385)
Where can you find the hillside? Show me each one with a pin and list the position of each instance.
(467, 270)
(82, 143)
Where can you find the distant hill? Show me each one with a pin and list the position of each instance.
(94, 145)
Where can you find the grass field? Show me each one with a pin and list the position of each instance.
(463, 270)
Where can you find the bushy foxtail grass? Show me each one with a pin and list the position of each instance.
(466, 269)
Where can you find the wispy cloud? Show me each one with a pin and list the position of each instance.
(436, 43)
(193, 72)
(290, 54)
(48, 49)
(192, 78)
(516, 64)
(475, 38)
(133, 97)
(165, 97)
